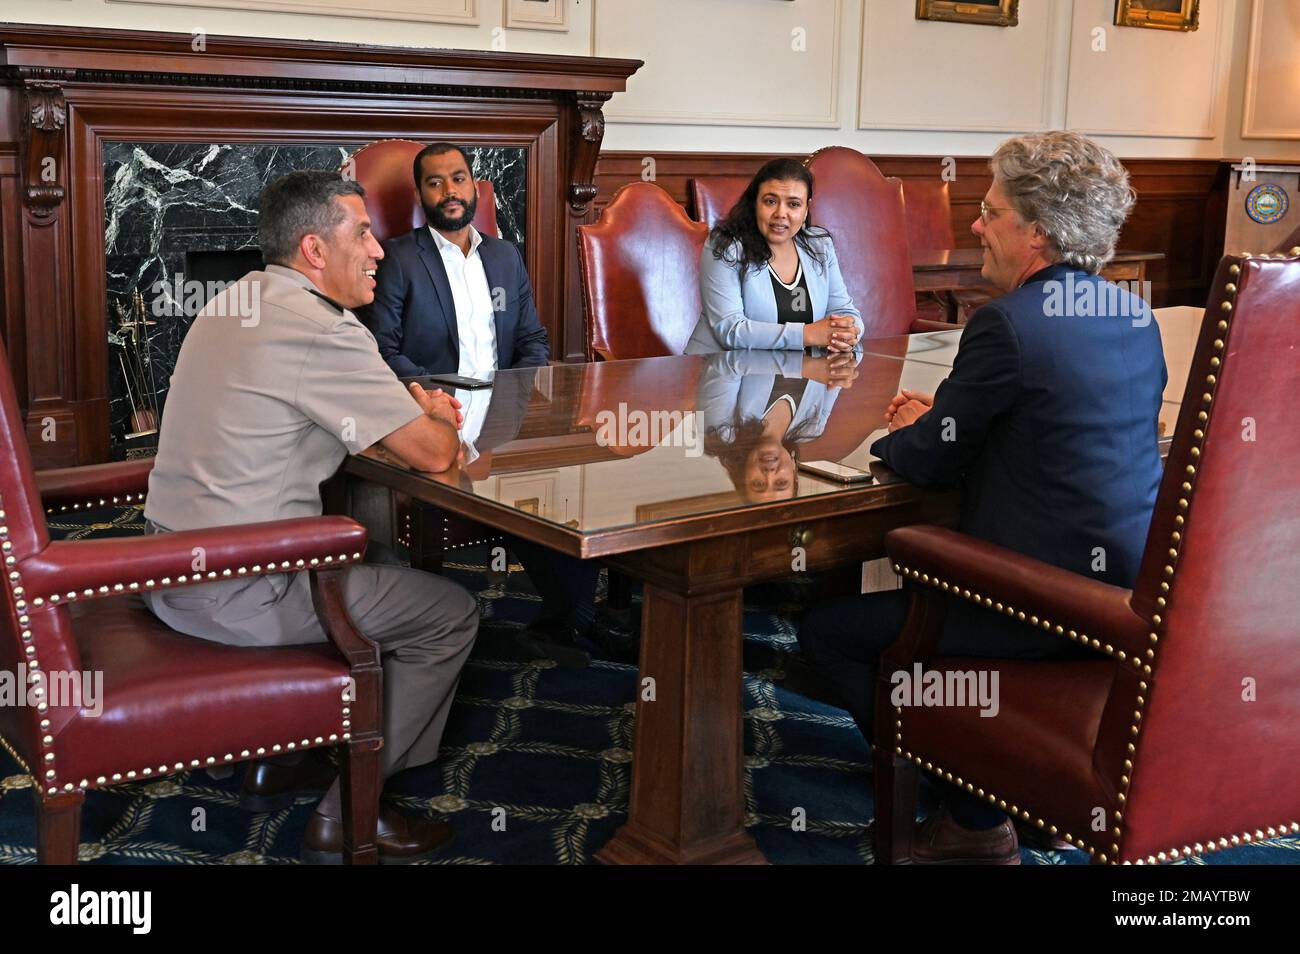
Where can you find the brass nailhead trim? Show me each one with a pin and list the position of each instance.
(15, 579)
(101, 502)
(149, 584)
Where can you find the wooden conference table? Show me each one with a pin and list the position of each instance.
(614, 460)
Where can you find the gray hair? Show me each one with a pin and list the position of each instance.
(300, 203)
(1074, 189)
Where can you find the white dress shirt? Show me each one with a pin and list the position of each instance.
(475, 328)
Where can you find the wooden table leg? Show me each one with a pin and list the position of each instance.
(687, 802)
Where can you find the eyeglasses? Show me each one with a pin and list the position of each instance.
(985, 209)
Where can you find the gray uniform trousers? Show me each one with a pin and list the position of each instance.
(424, 626)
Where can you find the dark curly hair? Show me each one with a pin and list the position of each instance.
(732, 441)
(737, 240)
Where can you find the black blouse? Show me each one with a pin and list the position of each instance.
(793, 303)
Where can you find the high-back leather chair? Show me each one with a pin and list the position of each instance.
(929, 214)
(384, 169)
(169, 703)
(1181, 731)
(640, 266)
(865, 215)
(712, 197)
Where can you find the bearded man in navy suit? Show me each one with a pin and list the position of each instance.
(450, 300)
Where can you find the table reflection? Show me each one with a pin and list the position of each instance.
(612, 444)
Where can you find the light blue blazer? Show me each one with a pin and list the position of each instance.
(738, 385)
(741, 313)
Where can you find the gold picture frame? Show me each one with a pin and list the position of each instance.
(1183, 15)
(1002, 13)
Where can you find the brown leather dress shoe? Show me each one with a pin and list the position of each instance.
(401, 839)
(269, 787)
(941, 841)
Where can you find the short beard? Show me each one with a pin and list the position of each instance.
(444, 223)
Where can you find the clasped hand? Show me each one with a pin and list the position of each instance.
(439, 405)
(834, 332)
(907, 407)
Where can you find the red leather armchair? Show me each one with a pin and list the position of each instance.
(712, 197)
(1179, 737)
(640, 266)
(169, 703)
(384, 169)
(865, 214)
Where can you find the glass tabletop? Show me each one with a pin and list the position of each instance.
(614, 444)
(611, 444)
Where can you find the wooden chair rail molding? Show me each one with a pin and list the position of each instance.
(65, 91)
(1180, 207)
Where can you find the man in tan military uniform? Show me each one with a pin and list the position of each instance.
(276, 382)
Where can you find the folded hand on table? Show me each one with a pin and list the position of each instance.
(906, 407)
(835, 332)
(439, 405)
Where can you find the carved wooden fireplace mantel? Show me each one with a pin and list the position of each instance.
(67, 91)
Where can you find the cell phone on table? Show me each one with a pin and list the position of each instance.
(840, 473)
(446, 381)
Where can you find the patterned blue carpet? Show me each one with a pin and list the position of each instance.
(551, 747)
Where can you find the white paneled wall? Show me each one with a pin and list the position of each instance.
(1140, 82)
(778, 76)
(937, 76)
(729, 62)
(1271, 94)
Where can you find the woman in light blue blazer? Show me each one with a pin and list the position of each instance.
(769, 278)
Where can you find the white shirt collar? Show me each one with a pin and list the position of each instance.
(475, 240)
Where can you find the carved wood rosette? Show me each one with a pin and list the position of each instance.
(588, 131)
(46, 118)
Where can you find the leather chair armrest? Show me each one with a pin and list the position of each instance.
(925, 324)
(98, 485)
(110, 567)
(1063, 602)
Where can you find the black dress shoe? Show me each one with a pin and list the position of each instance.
(551, 638)
(401, 839)
(269, 787)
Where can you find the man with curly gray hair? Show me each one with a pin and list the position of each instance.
(1048, 424)
(1070, 197)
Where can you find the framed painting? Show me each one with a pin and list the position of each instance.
(1003, 13)
(1181, 15)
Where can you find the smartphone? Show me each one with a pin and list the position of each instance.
(448, 381)
(840, 473)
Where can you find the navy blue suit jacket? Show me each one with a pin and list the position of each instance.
(1052, 425)
(413, 316)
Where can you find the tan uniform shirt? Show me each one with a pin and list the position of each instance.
(265, 403)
